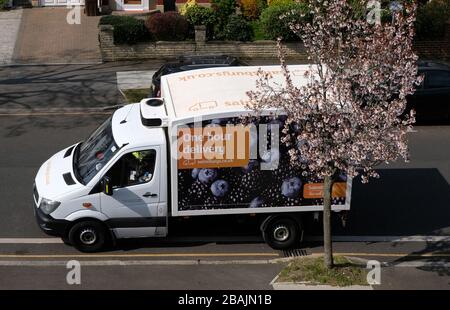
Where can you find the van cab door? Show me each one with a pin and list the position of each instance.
(132, 208)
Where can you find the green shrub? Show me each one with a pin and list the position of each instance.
(183, 9)
(3, 4)
(168, 26)
(258, 33)
(251, 9)
(279, 2)
(432, 18)
(127, 29)
(274, 27)
(113, 19)
(199, 15)
(223, 9)
(237, 29)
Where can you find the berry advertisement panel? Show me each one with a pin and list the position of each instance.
(226, 165)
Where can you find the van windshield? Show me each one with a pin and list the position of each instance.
(93, 154)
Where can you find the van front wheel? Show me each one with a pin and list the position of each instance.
(88, 236)
(281, 233)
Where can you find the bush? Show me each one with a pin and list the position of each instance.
(432, 18)
(251, 9)
(184, 8)
(169, 26)
(223, 9)
(198, 15)
(3, 4)
(237, 29)
(127, 29)
(274, 27)
(278, 2)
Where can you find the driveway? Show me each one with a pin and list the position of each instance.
(46, 37)
(9, 28)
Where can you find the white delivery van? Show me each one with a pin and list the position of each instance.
(185, 154)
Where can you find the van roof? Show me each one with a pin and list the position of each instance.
(218, 90)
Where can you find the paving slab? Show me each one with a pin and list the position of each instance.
(46, 37)
(9, 29)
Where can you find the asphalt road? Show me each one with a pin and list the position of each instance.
(409, 200)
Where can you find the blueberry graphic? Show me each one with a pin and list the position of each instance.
(342, 177)
(270, 156)
(216, 121)
(195, 172)
(256, 202)
(207, 175)
(219, 188)
(252, 164)
(295, 127)
(291, 187)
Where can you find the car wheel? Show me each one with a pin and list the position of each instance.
(88, 236)
(282, 233)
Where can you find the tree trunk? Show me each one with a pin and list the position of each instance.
(327, 245)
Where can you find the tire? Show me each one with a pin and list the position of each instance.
(88, 236)
(66, 240)
(282, 233)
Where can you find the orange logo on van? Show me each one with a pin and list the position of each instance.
(315, 190)
(213, 147)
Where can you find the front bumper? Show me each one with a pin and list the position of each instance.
(49, 225)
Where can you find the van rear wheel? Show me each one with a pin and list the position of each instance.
(281, 233)
(88, 236)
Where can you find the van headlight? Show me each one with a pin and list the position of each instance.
(48, 206)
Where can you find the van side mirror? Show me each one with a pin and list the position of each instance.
(106, 186)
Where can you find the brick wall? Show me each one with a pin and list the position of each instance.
(435, 49)
(170, 50)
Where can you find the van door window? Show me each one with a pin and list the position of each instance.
(132, 169)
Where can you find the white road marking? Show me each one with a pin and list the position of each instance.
(106, 263)
(417, 238)
(134, 79)
(30, 240)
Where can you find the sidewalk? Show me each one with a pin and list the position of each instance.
(9, 29)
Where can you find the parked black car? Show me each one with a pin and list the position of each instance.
(187, 63)
(431, 101)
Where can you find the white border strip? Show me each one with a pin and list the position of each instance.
(30, 241)
(417, 238)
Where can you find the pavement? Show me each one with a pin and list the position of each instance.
(9, 29)
(57, 35)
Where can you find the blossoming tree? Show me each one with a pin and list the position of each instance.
(351, 113)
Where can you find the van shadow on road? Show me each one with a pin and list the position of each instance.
(401, 202)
